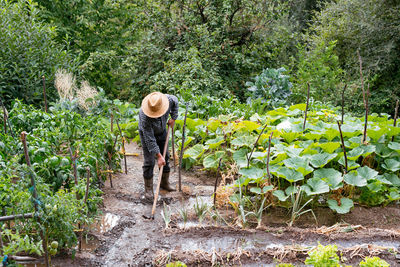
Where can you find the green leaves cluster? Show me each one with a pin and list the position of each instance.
(312, 159)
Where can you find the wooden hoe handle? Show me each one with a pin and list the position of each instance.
(153, 210)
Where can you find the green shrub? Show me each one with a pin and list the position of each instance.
(27, 52)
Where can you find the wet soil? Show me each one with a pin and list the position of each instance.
(122, 237)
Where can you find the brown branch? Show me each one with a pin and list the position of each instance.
(343, 147)
(17, 216)
(362, 77)
(255, 144)
(305, 112)
(344, 89)
(396, 109)
(268, 154)
(181, 152)
(366, 115)
(216, 181)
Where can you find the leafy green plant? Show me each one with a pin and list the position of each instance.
(200, 209)
(323, 256)
(166, 214)
(373, 262)
(297, 208)
(176, 264)
(271, 87)
(184, 213)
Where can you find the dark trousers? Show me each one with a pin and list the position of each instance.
(150, 159)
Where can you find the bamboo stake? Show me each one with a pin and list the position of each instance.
(73, 158)
(308, 100)
(343, 147)
(181, 154)
(216, 181)
(6, 120)
(173, 148)
(17, 216)
(112, 122)
(44, 93)
(110, 160)
(34, 193)
(365, 98)
(366, 116)
(1, 243)
(254, 146)
(344, 89)
(123, 146)
(87, 184)
(268, 154)
(396, 109)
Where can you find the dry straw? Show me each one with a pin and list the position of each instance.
(65, 83)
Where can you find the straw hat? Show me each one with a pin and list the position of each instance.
(155, 105)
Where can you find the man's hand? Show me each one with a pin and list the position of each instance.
(171, 123)
(160, 160)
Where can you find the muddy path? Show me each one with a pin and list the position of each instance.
(122, 237)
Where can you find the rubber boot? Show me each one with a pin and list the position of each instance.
(165, 182)
(148, 189)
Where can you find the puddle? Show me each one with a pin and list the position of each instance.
(229, 243)
(107, 222)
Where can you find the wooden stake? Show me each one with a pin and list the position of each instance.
(396, 109)
(343, 147)
(366, 116)
(87, 184)
(44, 93)
(268, 154)
(182, 147)
(17, 216)
(173, 148)
(34, 193)
(123, 146)
(254, 146)
(344, 89)
(216, 181)
(73, 158)
(308, 99)
(112, 122)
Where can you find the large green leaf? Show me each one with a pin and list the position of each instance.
(320, 160)
(383, 151)
(391, 165)
(290, 174)
(330, 134)
(367, 173)
(289, 136)
(376, 133)
(395, 146)
(300, 164)
(252, 172)
(333, 177)
(351, 164)
(316, 186)
(353, 178)
(329, 147)
(248, 126)
(344, 207)
(392, 178)
(239, 156)
(195, 151)
(280, 195)
(244, 140)
(355, 153)
(212, 161)
(216, 142)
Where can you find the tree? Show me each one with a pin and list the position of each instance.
(372, 27)
(27, 52)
